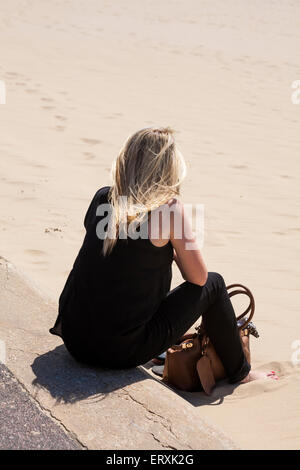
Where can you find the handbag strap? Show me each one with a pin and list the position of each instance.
(251, 306)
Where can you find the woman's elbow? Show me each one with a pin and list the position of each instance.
(203, 279)
(199, 280)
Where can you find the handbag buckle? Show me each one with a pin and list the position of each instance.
(187, 345)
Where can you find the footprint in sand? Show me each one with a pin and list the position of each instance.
(48, 107)
(35, 252)
(239, 167)
(60, 118)
(90, 141)
(13, 74)
(26, 199)
(59, 128)
(89, 155)
(38, 165)
(19, 182)
(39, 262)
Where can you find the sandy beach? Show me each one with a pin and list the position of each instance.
(81, 76)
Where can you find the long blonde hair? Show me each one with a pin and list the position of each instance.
(148, 170)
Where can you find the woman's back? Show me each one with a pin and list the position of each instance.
(115, 294)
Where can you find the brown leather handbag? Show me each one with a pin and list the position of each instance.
(194, 365)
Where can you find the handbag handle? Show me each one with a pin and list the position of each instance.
(251, 306)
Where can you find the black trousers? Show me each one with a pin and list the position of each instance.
(180, 310)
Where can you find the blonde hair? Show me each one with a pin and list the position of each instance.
(148, 170)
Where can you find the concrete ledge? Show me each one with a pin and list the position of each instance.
(100, 409)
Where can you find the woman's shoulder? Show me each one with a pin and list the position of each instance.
(161, 228)
(99, 197)
(103, 191)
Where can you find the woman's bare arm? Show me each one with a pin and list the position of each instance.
(190, 262)
(177, 261)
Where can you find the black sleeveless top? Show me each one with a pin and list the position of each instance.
(110, 298)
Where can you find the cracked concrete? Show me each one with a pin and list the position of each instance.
(100, 409)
